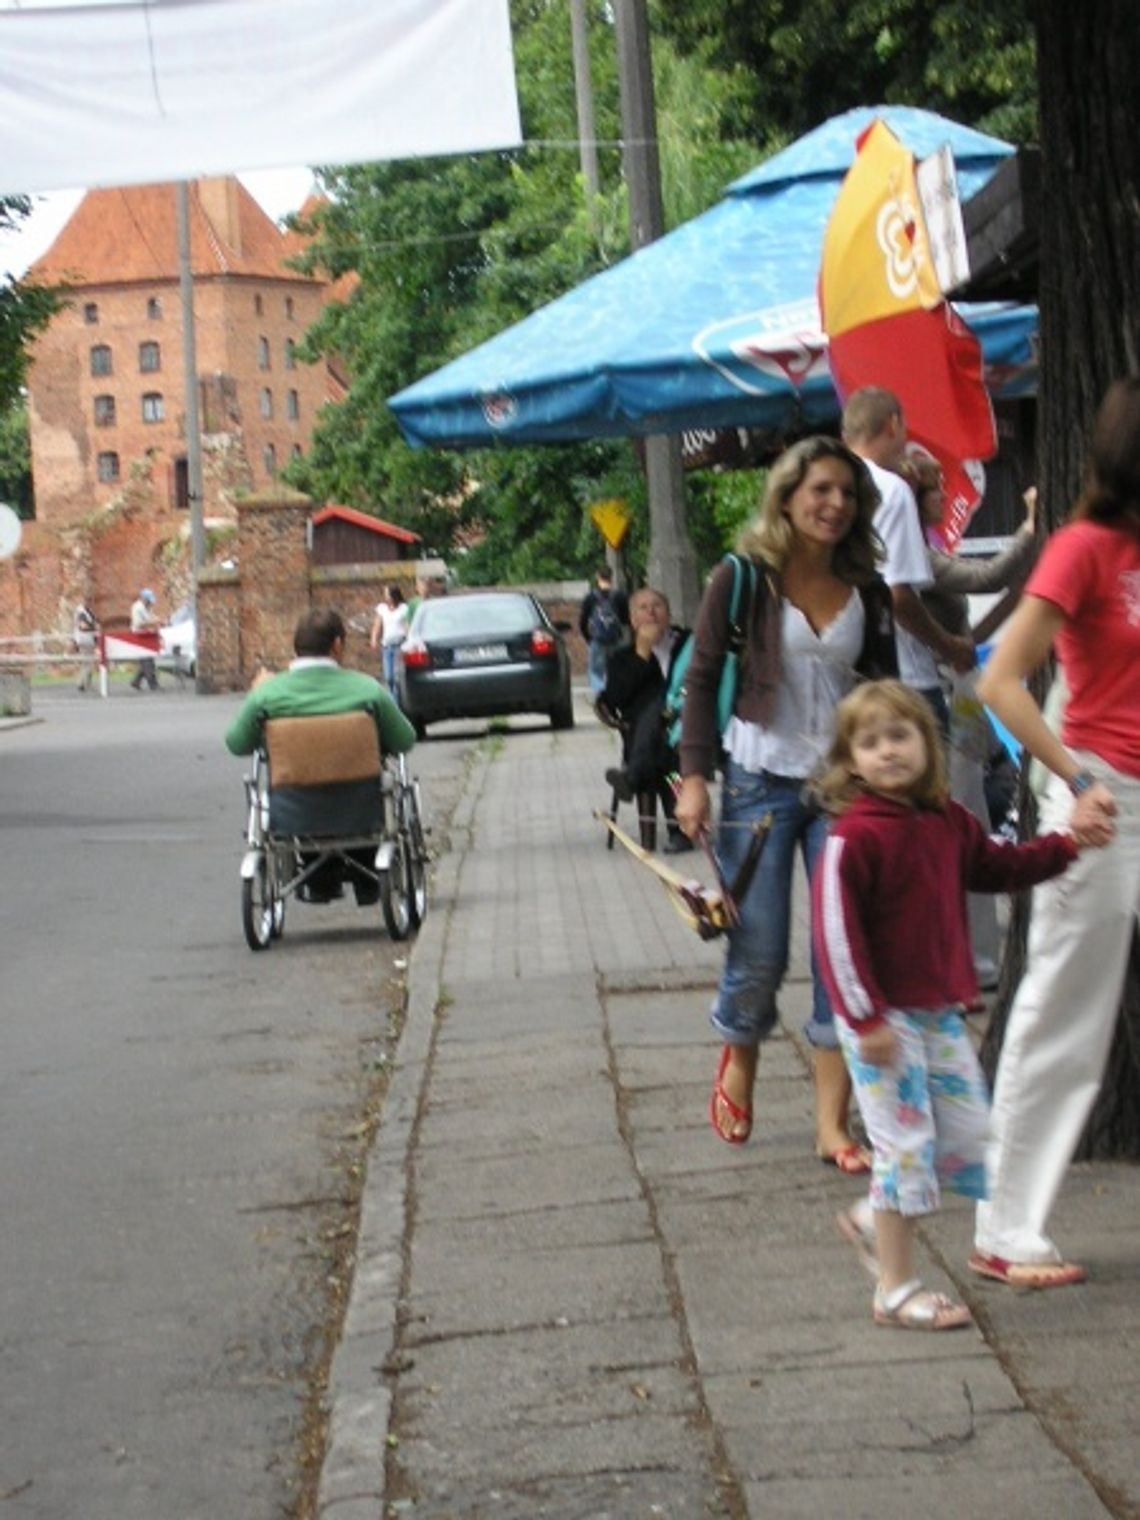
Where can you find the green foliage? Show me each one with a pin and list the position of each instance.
(25, 309)
(16, 460)
(807, 60)
(447, 253)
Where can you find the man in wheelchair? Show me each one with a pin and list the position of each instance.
(318, 685)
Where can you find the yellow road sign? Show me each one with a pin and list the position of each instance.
(611, 518)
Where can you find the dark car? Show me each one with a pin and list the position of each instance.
(482, 654)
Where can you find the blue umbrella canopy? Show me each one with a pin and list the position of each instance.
(713, 326)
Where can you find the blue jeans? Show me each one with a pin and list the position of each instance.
(390, 653)
(597, 664)
(745, 1011)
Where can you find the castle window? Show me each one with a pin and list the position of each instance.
(295, 451)
(266, 402)
(290, 354)
(263, 353)
(289, 307)
(101, 361)
(154, 308)
(257, 306)
(150, 358)
(153, 407)
(107, 466)
(104, 411)
(269, 459)
(293, 406)
(91, 312)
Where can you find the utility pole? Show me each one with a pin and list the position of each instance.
(672, 561)
(584, 98)
(190, 379)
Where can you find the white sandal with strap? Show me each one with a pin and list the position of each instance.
(914, 1307)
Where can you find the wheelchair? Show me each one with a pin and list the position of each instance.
(324, 805)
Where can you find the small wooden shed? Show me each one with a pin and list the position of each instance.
(343, 536)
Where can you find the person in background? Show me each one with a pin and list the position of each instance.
(973, 739)
(389, 630)
(143, 620)
(820, 619)
(1083, 599)
(636, 682)
(602, 620)
(873, 427)
(891, 934)
(84, 627)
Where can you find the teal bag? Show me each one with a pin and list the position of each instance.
(730, 671)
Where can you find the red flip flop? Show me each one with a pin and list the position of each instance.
(852, 1160)
(1027, 1274)
(721, 1100)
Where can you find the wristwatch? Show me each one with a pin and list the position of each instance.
(1080, 783)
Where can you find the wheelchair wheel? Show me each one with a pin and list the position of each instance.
(262, 911)
(417, 858)
(395, 892)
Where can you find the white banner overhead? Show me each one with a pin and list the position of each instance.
(118, 92)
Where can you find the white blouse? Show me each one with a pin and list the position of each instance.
(817, 671)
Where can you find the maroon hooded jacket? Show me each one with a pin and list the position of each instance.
(889, 911)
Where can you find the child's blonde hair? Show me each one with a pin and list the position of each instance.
(839, 785)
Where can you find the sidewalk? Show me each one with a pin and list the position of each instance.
(571, 1300)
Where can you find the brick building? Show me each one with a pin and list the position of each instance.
(107, 395)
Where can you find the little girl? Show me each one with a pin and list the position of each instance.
(892, 939)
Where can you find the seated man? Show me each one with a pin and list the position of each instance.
(317, 685)
(634, 694)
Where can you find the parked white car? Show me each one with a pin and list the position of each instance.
(179, 646)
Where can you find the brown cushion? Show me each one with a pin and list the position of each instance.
(322, 751)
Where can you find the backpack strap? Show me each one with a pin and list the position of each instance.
(738, 609)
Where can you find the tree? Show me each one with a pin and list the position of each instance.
(16, 460)
(1089, 295)
(807, 60)
(451, 252)
(25, 309)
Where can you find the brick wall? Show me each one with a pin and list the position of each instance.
(233, 314)
(246, 616)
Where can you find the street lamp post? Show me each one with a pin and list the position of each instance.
(672, 561)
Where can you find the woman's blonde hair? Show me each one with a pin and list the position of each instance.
(770, 536)
(839, 785)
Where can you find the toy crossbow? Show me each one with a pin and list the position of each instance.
(711, 911)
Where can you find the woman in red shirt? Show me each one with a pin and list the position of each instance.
(1084, 600)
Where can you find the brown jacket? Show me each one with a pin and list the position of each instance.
(760, 660)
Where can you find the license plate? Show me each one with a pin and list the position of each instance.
(480, 654)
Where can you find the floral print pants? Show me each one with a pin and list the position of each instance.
(927, 1115)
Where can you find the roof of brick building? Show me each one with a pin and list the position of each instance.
(130, 235)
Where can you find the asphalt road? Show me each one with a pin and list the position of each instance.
(180, 1120)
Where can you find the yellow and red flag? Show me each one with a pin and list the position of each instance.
(888, 323)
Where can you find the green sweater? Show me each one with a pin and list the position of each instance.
(317, 691)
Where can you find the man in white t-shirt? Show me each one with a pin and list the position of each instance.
(874, 428)
(143, 620)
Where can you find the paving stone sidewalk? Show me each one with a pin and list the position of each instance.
(572, 1301)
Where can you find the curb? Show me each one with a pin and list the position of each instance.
(359, 1401)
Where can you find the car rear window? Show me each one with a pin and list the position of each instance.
(456, 616)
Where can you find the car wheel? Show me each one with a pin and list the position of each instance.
(562, 715)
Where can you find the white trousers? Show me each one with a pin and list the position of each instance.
(1061, 1024)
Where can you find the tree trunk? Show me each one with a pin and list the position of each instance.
(1088, 62)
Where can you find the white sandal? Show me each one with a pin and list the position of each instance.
(913, 1307)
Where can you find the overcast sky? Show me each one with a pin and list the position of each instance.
(276, 190)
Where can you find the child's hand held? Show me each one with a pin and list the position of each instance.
(879, 1046)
